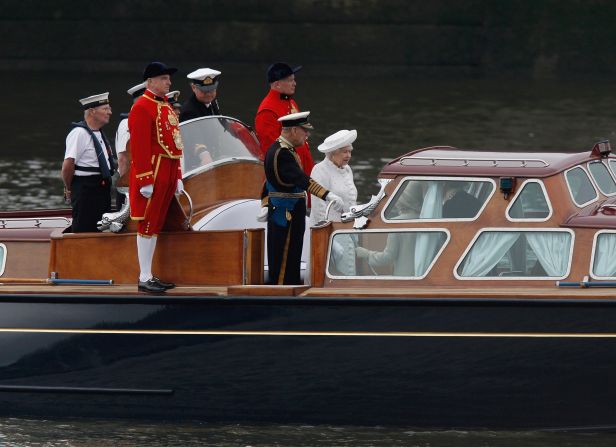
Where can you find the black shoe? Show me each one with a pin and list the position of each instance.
(150, 286)
(166, 285)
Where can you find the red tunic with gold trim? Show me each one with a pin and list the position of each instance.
(156, 149)
(267, 126)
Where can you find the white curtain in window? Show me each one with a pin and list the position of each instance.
(428, 243)
(487, 251)
(605, 255)
(552, 250)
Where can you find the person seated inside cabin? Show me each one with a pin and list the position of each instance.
(457, 203)
(400, 247)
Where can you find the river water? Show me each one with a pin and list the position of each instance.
(392, 116)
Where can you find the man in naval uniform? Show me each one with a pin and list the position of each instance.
(174, 99)
(202, 102)
(122, 144)
(286, 187)
(155, 173)
(89, 165)
(279, 102)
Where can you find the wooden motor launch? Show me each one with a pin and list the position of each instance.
(480, 295)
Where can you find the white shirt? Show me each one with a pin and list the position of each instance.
(80, 147)
(122, 136)
(337, 180)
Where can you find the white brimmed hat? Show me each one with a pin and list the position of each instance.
(205, 78)
(299, 119)
(342, 138)
(136, 90)
(95, 100)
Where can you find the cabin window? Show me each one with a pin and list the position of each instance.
(443, 198)
(604, 255)
(2, 258)
(502, 253)
(580, 187)
(530, 203)
(612, 164)
(403, 254)
(602, 177)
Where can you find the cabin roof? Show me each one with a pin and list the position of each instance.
(446, 160)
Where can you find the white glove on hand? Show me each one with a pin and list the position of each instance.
(146, 191)
(337, 202)
(179, 187)
(262, 215)
(362, 253)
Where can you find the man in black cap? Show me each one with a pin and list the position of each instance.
(89, 164)
(155, 172)
(286, 186)
(279, 102)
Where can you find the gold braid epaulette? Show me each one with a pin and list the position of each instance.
(316, 190)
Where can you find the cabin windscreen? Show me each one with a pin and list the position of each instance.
(446, 198)
(604, 256)
(213, 139)
(602, 177)
(522, 254)
(404, 254)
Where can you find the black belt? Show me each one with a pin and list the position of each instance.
(87, 169)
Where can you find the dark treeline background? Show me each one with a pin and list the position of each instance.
(419, 38)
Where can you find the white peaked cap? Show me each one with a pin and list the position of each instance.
(135, 88)
(95, 100)
(299, 119)
(342, 138)
(173, 95)
(205, 78)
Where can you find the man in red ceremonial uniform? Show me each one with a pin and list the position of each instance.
(155, 172)
(279, 102)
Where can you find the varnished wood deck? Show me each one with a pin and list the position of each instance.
(303, 291)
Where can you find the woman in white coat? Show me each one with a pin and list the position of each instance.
(335, 174)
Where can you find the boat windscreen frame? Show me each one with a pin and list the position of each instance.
(223, 161)
(443, 219)
(517, 194)
(387, 231)
(591, 272)
(516, 278)
(5, 251)
(592, 182)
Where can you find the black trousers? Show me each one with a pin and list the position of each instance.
(90, 199)
(284, 247)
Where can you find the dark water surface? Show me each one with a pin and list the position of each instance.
(392, 116)
(106, 433)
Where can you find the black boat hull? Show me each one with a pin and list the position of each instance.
(448, 363)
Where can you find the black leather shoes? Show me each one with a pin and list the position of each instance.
(150, 286)
(166, 285)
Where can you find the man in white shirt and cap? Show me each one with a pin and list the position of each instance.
(202, 102)
(89, 164)
(122, 144)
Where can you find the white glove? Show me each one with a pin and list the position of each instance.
(179, 187)
(362, 253)
(338, 204)
(146, 191)
(262, 215)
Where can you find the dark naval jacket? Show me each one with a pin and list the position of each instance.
(192, 108)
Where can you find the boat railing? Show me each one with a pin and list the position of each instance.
(474, 162)
(34, 222)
